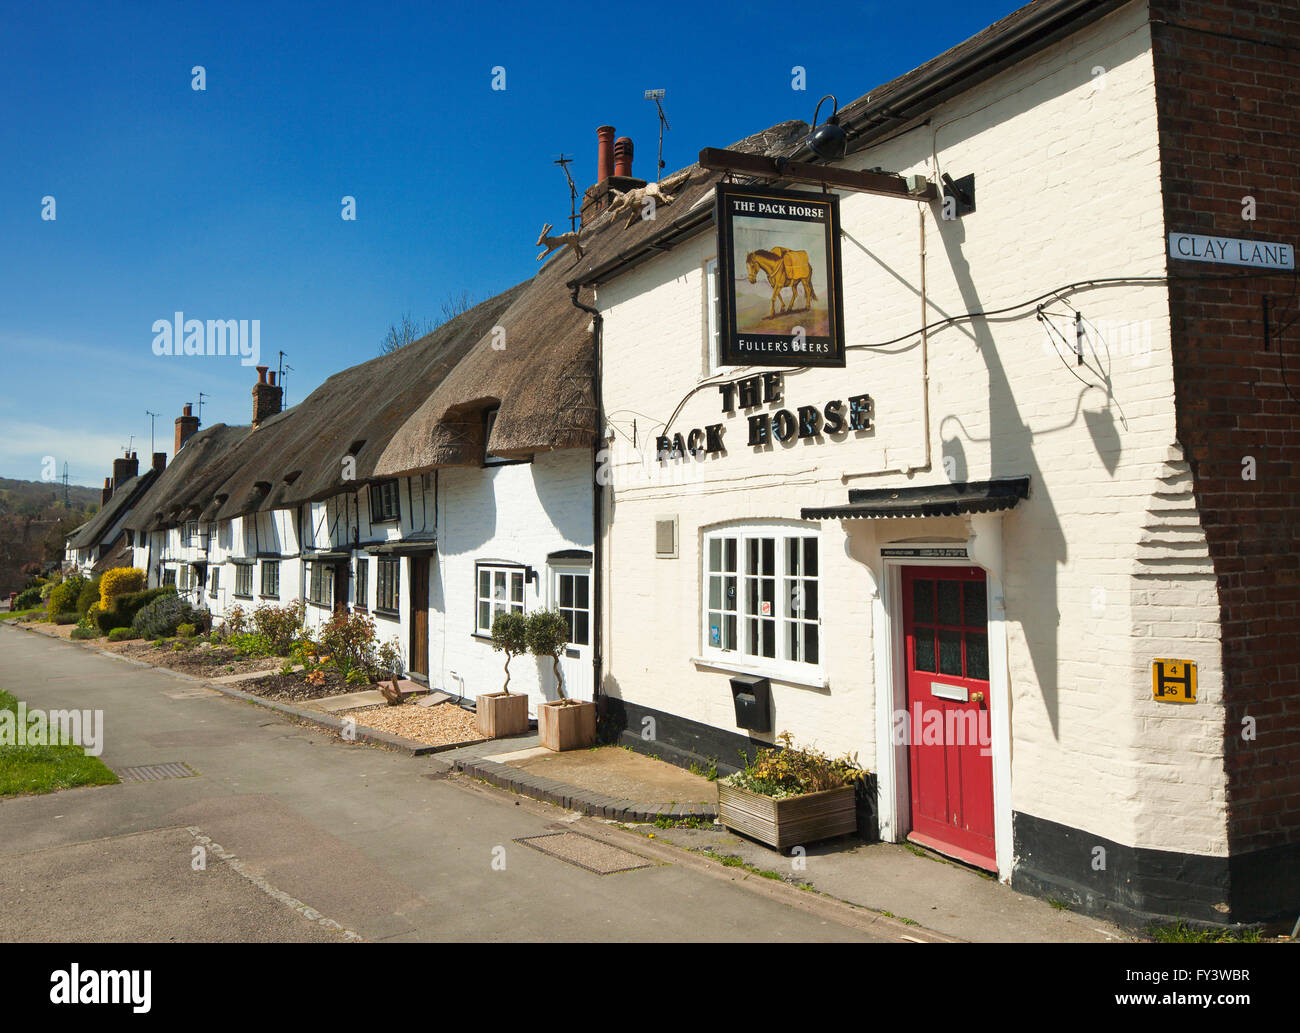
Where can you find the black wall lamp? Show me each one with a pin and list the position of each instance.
(827, 141)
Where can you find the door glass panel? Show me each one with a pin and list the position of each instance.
(977, 610)
(925, 649)
(977, 656)
(949, 602)
(566, 589)
(581, 624)
(580, 590)
(950, 652)
(923, 600)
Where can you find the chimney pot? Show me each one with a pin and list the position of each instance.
(261, 374)
(271, 378)
(604, 153)
(106, 492)
(623, 156)
(186, 425)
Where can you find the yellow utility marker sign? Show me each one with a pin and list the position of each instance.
(1173, 681)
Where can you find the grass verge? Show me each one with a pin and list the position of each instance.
(45, 769)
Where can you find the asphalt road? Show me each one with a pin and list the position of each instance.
(287, 834)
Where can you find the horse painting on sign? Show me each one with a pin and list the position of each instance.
(783, 268)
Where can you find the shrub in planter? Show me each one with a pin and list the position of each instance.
(787, 795)
(121, 634)
(562, 724)
(505, 713)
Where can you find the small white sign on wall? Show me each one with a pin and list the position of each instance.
(1259, 254)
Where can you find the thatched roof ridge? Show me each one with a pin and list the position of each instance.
(95, 530)
(175, 496)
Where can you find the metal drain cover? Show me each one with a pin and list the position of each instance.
(586, 852)
(156, 772)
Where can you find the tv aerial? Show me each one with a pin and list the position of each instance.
(563, 161)
(657, 96)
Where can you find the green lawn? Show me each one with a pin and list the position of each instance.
(9, 615)
(43, 769)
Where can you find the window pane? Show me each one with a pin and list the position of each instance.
(729, 632)
(566, 589)
(484, 617)
(769, 555)
(517, 587)
(977, 656)
(484, 583)
(581, 628)
(731, 593)
(810, 609)
(924, 649)
(715, 553)
(950, 652)
(715, 629)
(715, 593)
(811, 652)
(499, 585)
(810, 557)
(792, 556)
(976, 605)
(949, 602)
(923, 600)
(729, 553)
(580, 585)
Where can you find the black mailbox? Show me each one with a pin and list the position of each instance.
(753, 699)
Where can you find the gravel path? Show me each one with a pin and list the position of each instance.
(443, 725)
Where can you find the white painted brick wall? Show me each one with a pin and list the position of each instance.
(1067, 190)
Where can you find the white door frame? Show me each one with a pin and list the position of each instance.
(554, 569)
(984, 550)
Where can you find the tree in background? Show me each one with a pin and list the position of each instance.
(408, 330)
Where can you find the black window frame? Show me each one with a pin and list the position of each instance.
(388, 576)
(267, 567)
(361, 583)
(382, 493)
(243, 570)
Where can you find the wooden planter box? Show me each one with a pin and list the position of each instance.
(502, 713)
(566, 724)
(789, 822)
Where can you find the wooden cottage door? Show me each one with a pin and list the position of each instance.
(950, 758)
(419, 663)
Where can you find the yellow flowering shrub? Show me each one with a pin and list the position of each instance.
(119, 581)
(792, 771)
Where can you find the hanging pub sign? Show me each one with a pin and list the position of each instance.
(779, 278)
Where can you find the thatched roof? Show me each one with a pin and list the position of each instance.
(95, 530)
(183, 487)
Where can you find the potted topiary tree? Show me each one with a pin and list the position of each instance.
(564, 723)
(505, 712)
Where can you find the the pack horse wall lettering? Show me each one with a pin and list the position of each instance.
(783, 268)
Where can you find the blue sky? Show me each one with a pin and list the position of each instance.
(226, 203)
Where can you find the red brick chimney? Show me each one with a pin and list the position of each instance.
(106, 492)
(623, 156)
(186, 425)
(124, 469)
(266, 396)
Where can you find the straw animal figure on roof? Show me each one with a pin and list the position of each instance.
(552, 243)
(658, 193)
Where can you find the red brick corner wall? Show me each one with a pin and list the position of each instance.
(1227, 78)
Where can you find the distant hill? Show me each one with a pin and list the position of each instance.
(33, 523)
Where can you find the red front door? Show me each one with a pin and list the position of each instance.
(949, 750)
